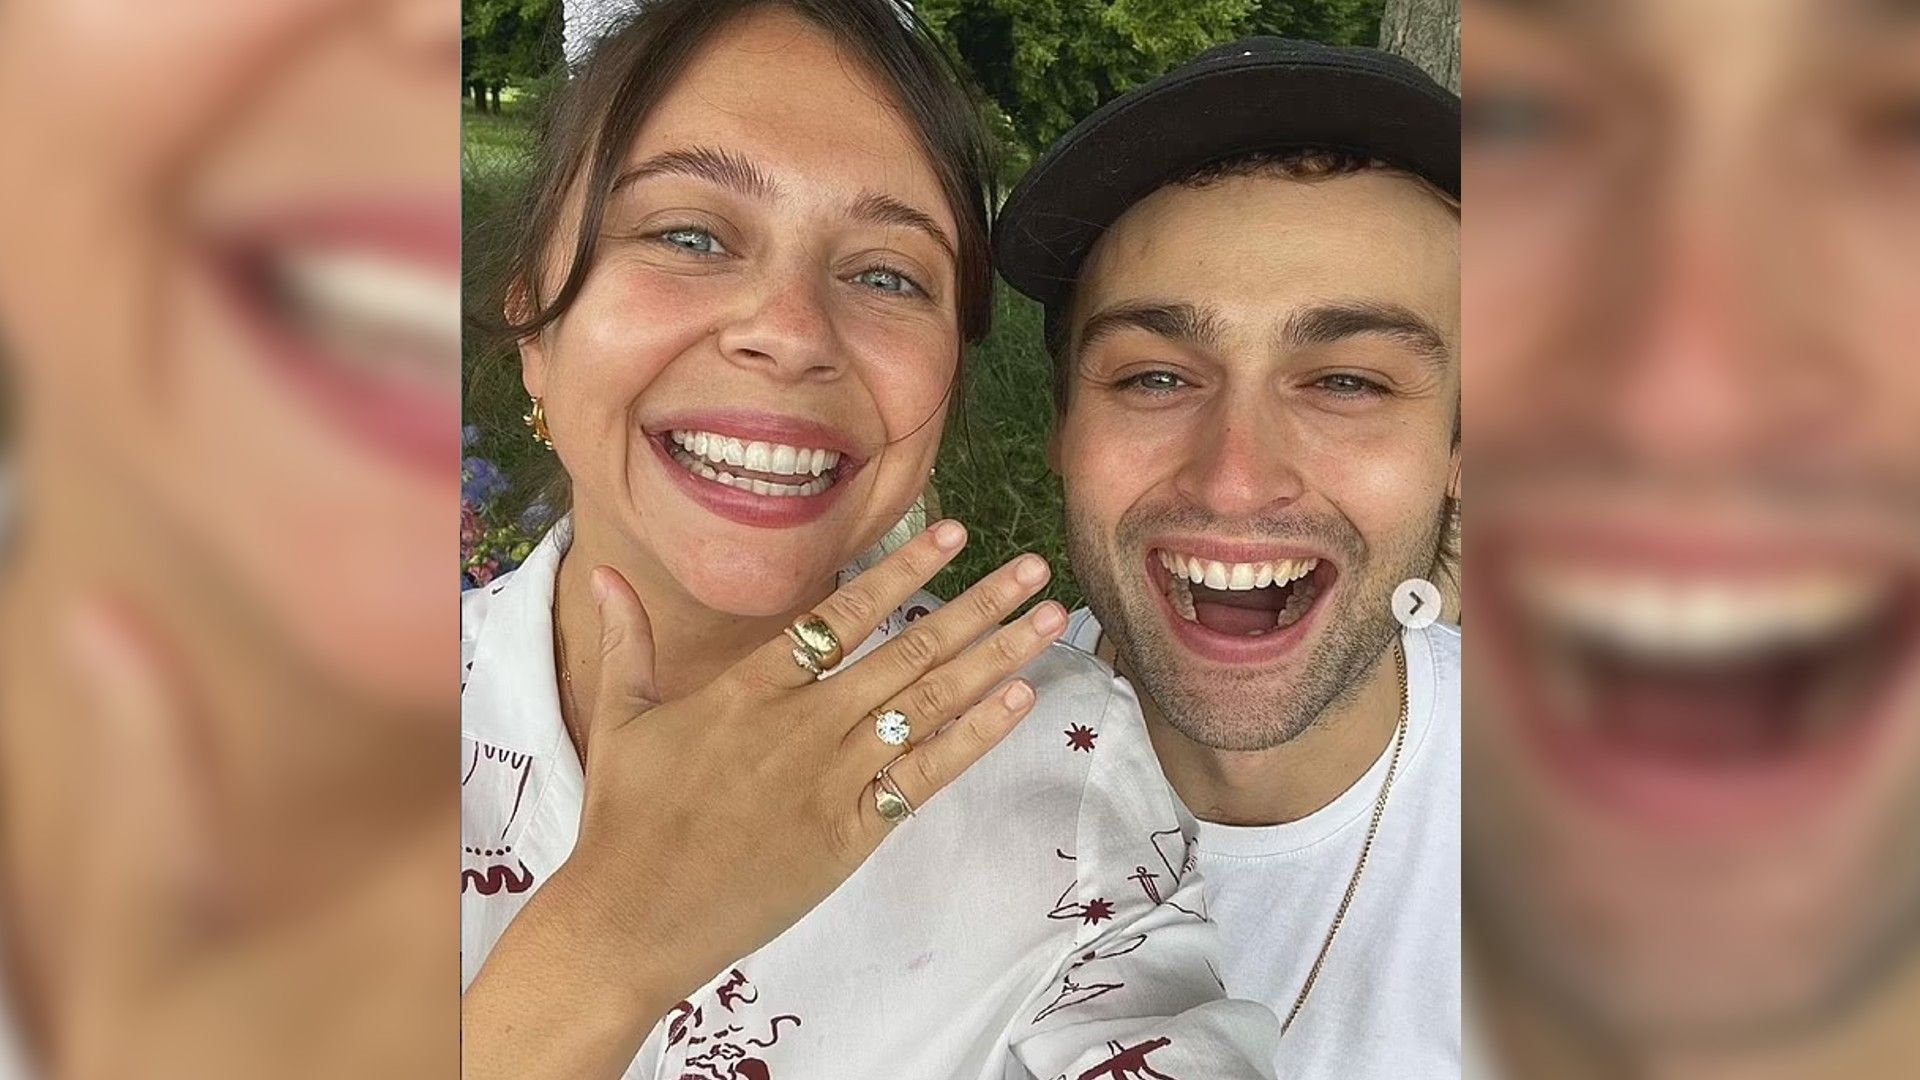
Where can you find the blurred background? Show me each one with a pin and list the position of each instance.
(229, 296)
(1040, 65)
(1692, 417)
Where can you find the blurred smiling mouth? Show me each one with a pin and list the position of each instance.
(1707, 690)
(1238, 610)
(358, 309)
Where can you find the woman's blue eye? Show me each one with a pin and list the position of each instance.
(886, 280)
(696, 240)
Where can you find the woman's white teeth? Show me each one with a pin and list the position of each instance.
(747, 483)
(1235, 577)
(761, 457)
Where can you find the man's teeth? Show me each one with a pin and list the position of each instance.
(775, 458)
(1236, 577)
(1700, 618)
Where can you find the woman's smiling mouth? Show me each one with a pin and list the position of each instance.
(762, 468)
(758, 469)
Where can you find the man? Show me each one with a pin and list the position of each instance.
(1250, 270)
(1694, 714)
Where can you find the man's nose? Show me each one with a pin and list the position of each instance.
(1239, 462)
(784, 328)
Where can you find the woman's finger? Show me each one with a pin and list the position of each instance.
(926, 769)
(955, 686)
(627, 684)
(857, 607)
(147, 873)
(939, 637)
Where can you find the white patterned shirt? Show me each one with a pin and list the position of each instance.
(1038, 918)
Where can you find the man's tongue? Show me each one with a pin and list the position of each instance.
(1724, 716)
(1238, 613)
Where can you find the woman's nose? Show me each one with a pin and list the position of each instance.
(786, 331)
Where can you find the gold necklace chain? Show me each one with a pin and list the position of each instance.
(1373, 827)
(566, 681)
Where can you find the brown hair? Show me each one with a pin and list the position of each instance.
(591, 121)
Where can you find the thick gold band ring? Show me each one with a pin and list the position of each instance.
(893, 804)
(811, 634)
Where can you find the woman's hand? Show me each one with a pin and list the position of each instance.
(713, 823)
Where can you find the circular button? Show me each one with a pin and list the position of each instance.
(1416, 603)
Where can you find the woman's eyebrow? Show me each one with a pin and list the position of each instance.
(877, 209)
(722, 167)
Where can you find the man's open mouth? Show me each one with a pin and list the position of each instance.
(762, 468)
(1242, 599)
(1649, 679)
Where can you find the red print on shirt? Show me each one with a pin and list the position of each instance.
(1081, 737)
(724, 1049)
(1129, 1063)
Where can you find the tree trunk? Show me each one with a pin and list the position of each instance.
(494, 93)
(1426, 32)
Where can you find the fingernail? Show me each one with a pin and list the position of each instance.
(597, 581)
(1030, 570)
(1018, 696)
(949, 535)
(1049, 618)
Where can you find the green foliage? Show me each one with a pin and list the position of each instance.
(1047, 63)
(509, 42)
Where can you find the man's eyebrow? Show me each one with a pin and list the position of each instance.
(1327, 323)
(722, 167)
(1186, 323)
(877, 209)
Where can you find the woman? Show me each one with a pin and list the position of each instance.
(216, 404)
(754, 250)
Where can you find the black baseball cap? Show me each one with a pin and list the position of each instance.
(1247, 96)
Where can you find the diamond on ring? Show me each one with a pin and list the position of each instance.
(893, 727)
(806, 662)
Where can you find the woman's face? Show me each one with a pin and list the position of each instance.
(750, 386)
(231, 293)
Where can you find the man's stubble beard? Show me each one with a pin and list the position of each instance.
(1249, 710)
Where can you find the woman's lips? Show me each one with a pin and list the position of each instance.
(357, 309)
(756, 469)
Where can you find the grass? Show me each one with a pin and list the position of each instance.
(992, 472)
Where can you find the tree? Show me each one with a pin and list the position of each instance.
(507, 43)
(1426, 32)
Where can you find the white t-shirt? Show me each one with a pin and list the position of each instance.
(1387, 1002)
(1038, 918)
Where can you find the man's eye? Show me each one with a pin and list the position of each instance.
(888, 280)
(699, 241)
(1350, 385)
(1154, 382)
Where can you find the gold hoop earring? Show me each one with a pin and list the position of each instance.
(536, 419)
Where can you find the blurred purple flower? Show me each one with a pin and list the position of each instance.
(481, 481)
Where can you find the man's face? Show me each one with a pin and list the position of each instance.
(1691, 717)
(1258, 440)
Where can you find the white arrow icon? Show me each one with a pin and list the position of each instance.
(1416, 603)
